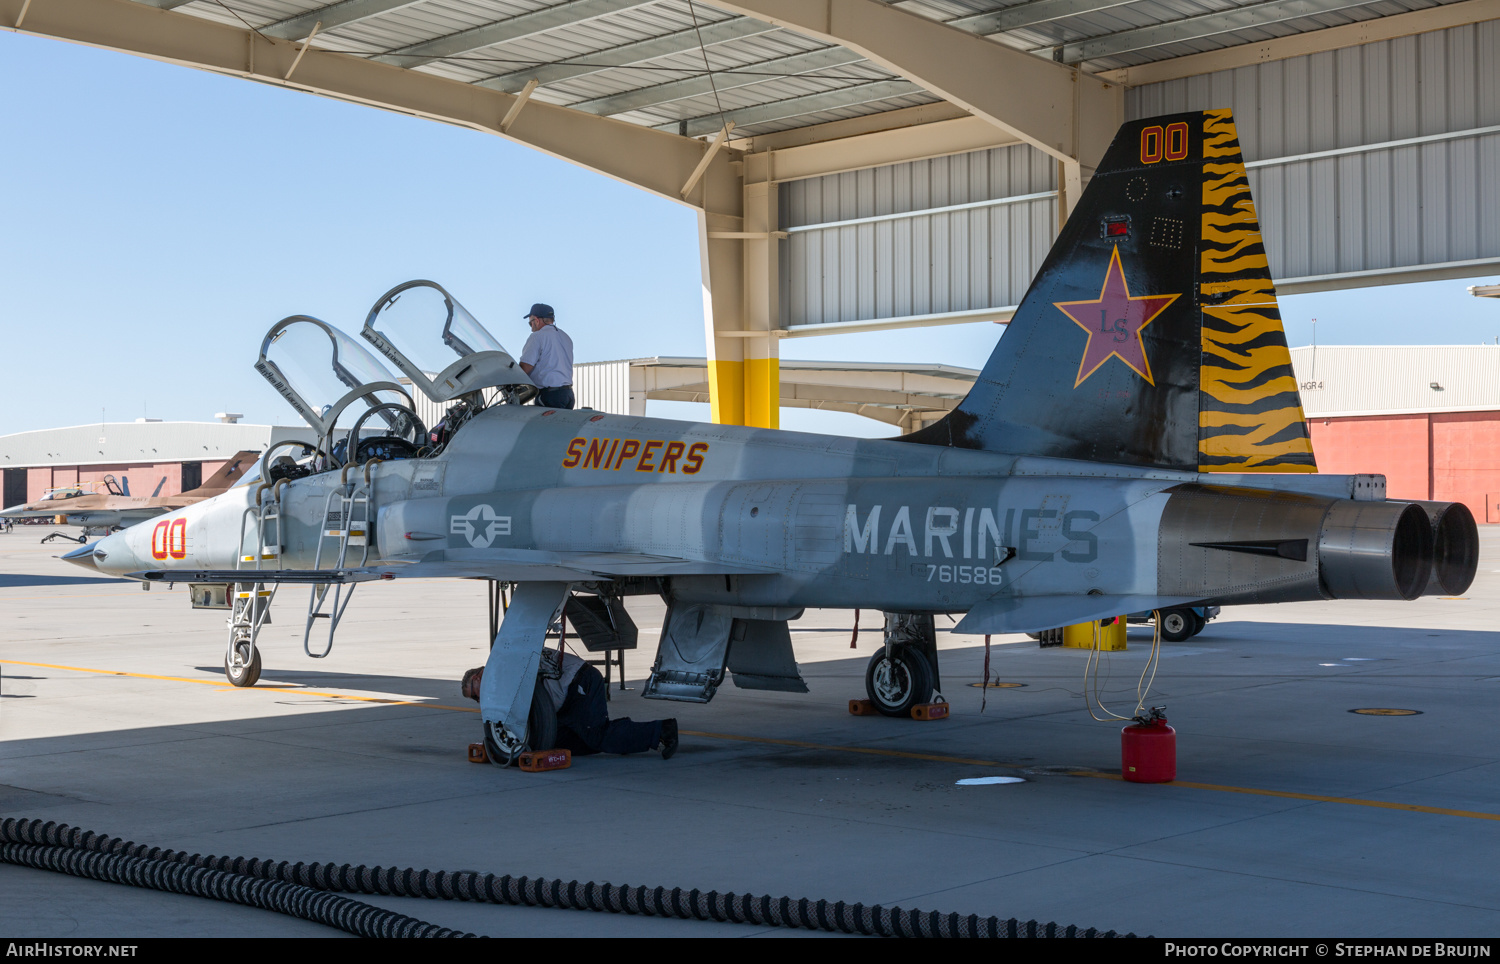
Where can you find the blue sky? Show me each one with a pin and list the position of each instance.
(156, 220)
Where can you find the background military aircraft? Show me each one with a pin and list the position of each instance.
(115, 507)
(1136, 442)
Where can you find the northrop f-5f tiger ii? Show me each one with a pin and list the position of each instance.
(1135, 442)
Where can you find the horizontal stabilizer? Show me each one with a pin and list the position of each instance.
(1032, 614)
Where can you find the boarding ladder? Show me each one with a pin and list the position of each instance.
(346, 527)
(250, 602)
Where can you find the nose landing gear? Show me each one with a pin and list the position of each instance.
(242, 663)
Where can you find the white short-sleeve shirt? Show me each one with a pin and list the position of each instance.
(549, 352)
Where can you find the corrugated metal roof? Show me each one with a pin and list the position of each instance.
(1343, 380)
(588, 50)
(117, 443)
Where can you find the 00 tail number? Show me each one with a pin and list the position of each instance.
(1170, 144)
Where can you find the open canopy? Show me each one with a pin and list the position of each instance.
(320, 371)
(436, 343)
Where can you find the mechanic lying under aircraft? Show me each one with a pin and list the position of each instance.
(1136, 442)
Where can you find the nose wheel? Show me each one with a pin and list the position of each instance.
(242, 664)
(897, 682)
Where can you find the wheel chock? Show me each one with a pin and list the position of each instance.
(930, 711)
(477, 754)
(539, 760)
(862, 708)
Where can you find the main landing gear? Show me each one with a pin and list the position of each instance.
(1180, 624)
(905, 673)
(897, 681)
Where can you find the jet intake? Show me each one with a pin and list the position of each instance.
(1375, 550)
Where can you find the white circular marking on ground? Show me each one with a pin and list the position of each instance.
(986, 781)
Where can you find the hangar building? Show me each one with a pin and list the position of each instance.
(177, 456)
(1426, 416)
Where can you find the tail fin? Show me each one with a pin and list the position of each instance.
(229, 473)
(1151, 335)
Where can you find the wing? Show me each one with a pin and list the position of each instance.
(1032, 614)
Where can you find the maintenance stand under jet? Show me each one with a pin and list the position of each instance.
(1135, 442)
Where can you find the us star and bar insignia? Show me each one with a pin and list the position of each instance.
(1114, 322)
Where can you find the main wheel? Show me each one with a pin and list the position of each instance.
(1176, 624)
(898, 682)
(541, 728)
(1199, 621)
(243, 667)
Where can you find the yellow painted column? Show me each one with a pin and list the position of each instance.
(723, 311)
(761, 263)
(741, 305)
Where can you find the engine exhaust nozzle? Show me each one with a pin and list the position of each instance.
(1375, 550)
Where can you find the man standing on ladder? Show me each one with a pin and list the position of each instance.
(548, 358)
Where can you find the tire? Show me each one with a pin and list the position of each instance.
(541, 727)
(239, 672)
(1198, 622)
(541, 724)
(897, 684)
(1177, 624)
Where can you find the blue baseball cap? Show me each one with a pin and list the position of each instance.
(541, 311)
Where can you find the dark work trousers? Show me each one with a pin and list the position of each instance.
(584, 726)
(560, 397)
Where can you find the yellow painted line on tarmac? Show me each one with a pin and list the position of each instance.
(1313, 797)
(227, 686)
(805, 745)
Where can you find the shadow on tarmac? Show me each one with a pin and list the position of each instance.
(16, 581)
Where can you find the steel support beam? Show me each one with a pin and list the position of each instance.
(331, 17)
(1055, 108)
(899, 145)
(742, 76)
(625, 55)
(796, 106)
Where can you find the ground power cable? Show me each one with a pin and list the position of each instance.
(311, 891)
(1143, 686)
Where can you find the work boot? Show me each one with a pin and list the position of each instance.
(668, 738)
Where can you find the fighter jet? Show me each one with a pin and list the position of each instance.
(1135, 442)
(115, 507)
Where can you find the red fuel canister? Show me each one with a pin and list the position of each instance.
(1148, 752)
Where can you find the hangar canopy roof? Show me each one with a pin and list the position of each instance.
(689, 67)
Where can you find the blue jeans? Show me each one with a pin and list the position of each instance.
(584, 726)
(560, 397)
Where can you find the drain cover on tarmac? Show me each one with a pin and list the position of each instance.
(986, 781)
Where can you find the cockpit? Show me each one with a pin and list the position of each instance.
(332, 380)
(62, 492)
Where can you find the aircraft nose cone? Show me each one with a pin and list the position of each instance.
(83, 556)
